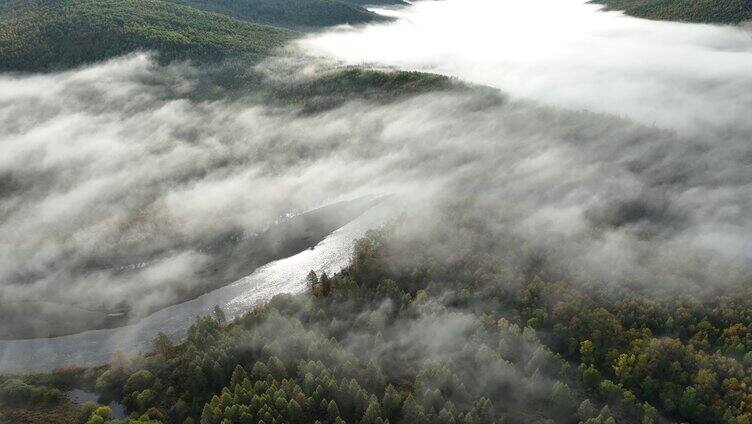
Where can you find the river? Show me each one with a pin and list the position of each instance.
(693, 79)
(282, 276)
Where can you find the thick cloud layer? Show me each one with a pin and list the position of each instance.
(115, 183)
(686, 77)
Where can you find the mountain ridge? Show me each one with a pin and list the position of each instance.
(697, 11)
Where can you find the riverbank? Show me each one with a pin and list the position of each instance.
(283, 276)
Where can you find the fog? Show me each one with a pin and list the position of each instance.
(622, 150)
(444, 348)
(688, 77)
(115, 183)
(680, 174)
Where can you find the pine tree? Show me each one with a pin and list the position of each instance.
(238, 375)
(332, 411)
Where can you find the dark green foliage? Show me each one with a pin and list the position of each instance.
(62, 413)
(297, 14)
(328, 89)
(373, 82)
(162, 345)
(434, 331)
(17, 392)
(219, 315)
(718, 11)
(377, 2)
(315, 358)
(452, 325)
(39, 398)
(335, 87)
(49, 34)
(369, 348)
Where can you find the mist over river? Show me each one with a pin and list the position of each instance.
(583, 153)
(98, 346)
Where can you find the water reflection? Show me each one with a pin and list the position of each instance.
(283, 276)
(79, 396)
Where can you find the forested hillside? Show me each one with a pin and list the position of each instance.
(55, 34)
(339, 86)
(297, 14)
(446, 314)
(377, 2)
(50, 34)
(717, 11)
(445, 327)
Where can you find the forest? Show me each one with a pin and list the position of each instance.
(58, 34)
(443, 315)
(44, 35)
(298, 14)
(459, 324)
(705, 11)
(39, 35)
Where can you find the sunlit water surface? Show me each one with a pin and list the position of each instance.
(283, 276)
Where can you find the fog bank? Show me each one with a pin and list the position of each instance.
(687, 77)
(120, 166)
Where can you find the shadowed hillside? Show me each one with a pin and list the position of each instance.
(50, 34)
(298, 14)
(377, 2)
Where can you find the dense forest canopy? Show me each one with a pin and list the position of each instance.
(378, 2)
(720, 11)
(444, 327)
(55, 34)
(450, 313)
(50, 34)
(452, 319)
(289, 13)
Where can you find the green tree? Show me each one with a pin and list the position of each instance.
(219, 315)
(332, 411)
(162, 345)
(392, 402)
(238, 375)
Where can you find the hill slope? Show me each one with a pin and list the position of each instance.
(50, 34)
(298, 14)
(708, 11)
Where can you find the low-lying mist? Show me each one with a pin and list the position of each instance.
(120, 166)
(678, 178)
(688, 77)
